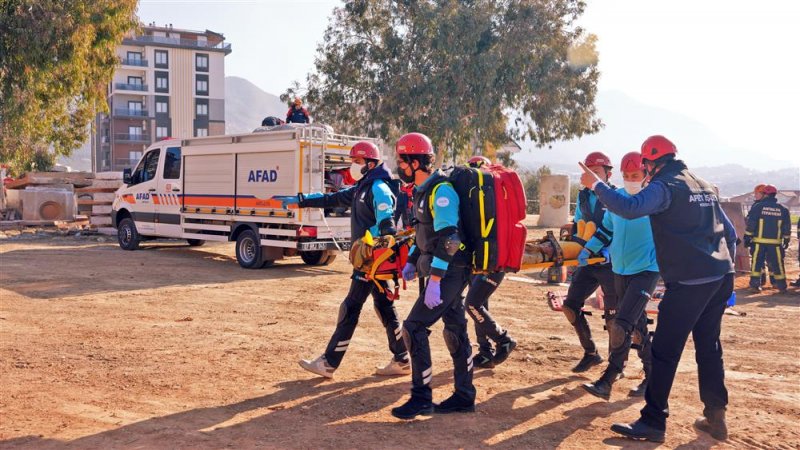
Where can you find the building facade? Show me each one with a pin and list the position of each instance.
(170, 83)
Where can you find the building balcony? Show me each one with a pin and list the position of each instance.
(136, 113)
(130, 87)
(121, 164)
(177, 42)
(133, 62)
(124, 138)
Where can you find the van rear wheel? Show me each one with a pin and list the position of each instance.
(248, 250)
(318, 258)
(127, 235)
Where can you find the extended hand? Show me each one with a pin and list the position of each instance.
(409, 272)
(433, 294)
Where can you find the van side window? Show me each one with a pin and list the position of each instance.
(150, 166)
(172, 163)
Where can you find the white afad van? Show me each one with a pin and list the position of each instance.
(220, 188)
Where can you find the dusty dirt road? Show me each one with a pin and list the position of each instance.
(177, 347)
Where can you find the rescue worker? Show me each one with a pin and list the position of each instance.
(633, 260)
(481, 288)
(695, 247)
(372, 209)
(768, 233)
(587, 278)
(442, 264)
(297, 114)
(797, 281)
(758, 195)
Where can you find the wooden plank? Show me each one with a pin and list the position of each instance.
(78, 179)
(93, 190)
(103, 210)
(83, 202)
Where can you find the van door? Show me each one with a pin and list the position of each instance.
(169, 201)
(144, 182)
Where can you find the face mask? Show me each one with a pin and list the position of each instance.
(403, 177)
(633, 187)
(357, 171)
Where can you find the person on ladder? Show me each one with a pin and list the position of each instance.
(372, 209)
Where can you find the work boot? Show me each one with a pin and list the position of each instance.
(602, 387)
(713, 423)
(484, 361)
(413, 408)
(755, 289)
(394, 368)
(318, 366)
(796, 283)
(588, 361)
(638, 391)
(453, 404)
(638, 430)
(504, 350)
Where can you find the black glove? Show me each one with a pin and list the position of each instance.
(786, 242)
(748, 241)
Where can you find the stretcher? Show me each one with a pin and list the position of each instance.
(566, 263)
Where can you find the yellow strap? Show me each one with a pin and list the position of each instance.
(760, 227)
(766, 241)
(433, 194)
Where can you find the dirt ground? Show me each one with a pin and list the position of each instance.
(177, 347)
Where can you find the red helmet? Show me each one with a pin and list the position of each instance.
(657, 146)
(598, 159)
(365, 149)
(770, 190)
(414, 144)
(478, 161)
(631, 162)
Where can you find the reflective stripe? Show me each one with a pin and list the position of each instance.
(767, 241)
(753, 271)
(781, 275)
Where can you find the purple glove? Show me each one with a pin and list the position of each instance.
(409, 272)
(433, 294)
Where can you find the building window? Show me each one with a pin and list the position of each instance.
(135, 108)
(202, 109)
(134, 156)
(162, 132)
(134, 58)
(135, 131)
(201, 62)
(162, 82)
(162, 107)
(172, 163)
(162, 59)
(136, 81)
(201, 132)
(201, 87)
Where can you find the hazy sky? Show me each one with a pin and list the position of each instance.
(732, 65)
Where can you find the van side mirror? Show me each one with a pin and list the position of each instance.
(126, 176)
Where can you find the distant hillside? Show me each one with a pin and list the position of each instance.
(246, 105)
(628, 122)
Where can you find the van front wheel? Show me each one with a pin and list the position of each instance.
(127, 235)
(248, 250)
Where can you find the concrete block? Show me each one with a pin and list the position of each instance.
(553, 200)
(103, 196)
(100, 221)
(735, 212)
(40, 204)
(106, 184)
(101, 209)
(108, 176)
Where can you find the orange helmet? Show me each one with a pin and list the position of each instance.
(759, 189)
(414, 144)
(631, 162)
(598, 159)
(478, 161)
(770, 190)
(657, 146)
(365, 149)
(297, 101)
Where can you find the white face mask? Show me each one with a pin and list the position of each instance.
(355, 171)
(633, 187)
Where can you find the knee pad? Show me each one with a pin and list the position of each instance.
(572, 315)
(452, 340)
(616, 334)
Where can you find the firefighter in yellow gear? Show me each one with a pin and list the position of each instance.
(767, 234)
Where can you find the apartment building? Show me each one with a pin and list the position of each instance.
(170, 83)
